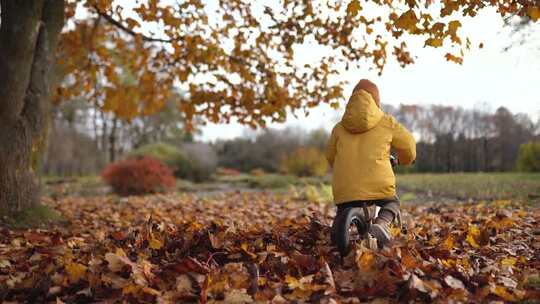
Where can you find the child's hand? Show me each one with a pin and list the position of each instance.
(393, 161)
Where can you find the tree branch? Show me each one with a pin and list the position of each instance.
(127, 30)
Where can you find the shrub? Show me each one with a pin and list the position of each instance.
(195, 161)
(529, 157)
(261, 151)
(138, 176)
(201, 162)
(165, 153)
(257, 172)
(305, 162)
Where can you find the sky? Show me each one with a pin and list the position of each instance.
(489, 78)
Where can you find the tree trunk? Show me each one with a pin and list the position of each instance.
(112, 140)
(486, 155)
(29, 31)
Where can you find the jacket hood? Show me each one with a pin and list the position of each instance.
(362, 113)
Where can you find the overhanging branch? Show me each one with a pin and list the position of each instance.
(129, 31)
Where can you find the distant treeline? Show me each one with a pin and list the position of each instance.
(453, 139)
(450, 139)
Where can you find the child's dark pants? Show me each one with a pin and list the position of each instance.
(389, 207)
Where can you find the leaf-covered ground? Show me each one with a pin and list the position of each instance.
(243, 248)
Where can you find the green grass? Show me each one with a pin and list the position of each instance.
(272, 181)
(38, 216)
(320, 194)
(522, 186)
(517, 186)
(55, 186)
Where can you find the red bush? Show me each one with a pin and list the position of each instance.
(138, 176)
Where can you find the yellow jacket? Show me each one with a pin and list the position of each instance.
(359, 151)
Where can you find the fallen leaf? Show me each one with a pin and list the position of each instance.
(75, 272)
(453, 282)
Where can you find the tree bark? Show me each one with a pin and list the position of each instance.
(29, 32)
(112, 140)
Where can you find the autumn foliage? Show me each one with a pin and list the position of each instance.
(132, 71)
(138, 176)
(529, 157)
(268, 249)
(305, 162)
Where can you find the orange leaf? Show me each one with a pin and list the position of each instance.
(534, 13)
(434, 42)
(354, 7)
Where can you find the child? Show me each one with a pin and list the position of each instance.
(359, 153)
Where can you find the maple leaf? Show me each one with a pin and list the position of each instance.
(155, 243)
(295, 260)
(75, 271)
(449, 243)
(407, 21)
(473, 235)
(354, 7)
(434, 42)
(456, 59)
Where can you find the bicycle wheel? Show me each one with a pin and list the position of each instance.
(347, 223)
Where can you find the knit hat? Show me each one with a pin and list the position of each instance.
(369, 87)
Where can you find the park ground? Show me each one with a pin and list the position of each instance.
(244, 238)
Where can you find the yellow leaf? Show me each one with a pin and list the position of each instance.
(244, 246)
(155, 243)
(511, 261)
(448, 243)
(75, 271)
(130, 289)
(473, 235)
(354, 7)
(503, 293)
(534, 13)
(292, 282)
(448, 263)
(395, 231)
(366, 261)
(434, 42)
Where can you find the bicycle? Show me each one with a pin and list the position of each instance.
(354, 217)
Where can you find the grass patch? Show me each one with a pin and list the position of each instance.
(408, 196)
(58, 187)
(37, 216)
(522, 186)
(320, 194)
(233, 179)
(272, 181)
